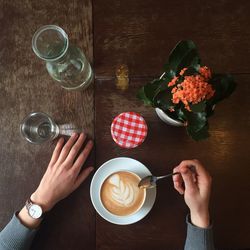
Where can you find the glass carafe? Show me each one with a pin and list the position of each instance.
(65, 63)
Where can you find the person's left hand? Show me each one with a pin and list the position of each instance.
(63, 174)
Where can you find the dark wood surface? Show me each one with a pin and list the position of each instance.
(141, 35)
(25, 86)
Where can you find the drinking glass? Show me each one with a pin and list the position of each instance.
(65, 63)
(39, 127)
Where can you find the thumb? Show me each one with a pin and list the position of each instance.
(188, 178)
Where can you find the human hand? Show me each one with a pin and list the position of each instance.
(196, 190)
(63, 175)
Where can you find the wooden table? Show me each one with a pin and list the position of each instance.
(139, 34)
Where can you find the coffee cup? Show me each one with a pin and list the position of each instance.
(109, 169)
(120, 195)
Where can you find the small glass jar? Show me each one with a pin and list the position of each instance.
(38, 127)
(65, 63)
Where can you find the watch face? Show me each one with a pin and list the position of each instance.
(35, 211)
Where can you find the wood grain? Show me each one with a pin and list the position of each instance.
(141, 34)
(225, 154)
(25, 86)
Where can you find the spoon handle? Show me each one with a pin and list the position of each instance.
(168, 175)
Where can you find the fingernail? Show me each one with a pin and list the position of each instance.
(91, 169)
(74, 134)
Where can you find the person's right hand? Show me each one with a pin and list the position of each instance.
(195, 183)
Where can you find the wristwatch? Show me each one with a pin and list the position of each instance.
(35, 211)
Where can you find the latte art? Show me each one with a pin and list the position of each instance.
(120, 193)
(123, 193)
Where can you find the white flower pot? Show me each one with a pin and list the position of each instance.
(165, 118)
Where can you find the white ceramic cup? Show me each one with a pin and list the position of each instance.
(117, 165)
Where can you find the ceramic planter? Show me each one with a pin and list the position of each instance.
(165, 118)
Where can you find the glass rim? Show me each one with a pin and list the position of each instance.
(25, 119)
(41, 30)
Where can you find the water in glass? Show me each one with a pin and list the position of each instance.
(38, 127)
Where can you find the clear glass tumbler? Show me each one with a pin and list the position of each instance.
(65, 63)
(38, 127)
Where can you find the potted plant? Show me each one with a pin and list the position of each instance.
(187, 92)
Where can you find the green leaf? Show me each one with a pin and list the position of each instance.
(197, 126)
(199, 107)
(168, 74)
(196, 121)
(210, 109)
(180, 115)
(224, 85)
(163, 84)
(153, 87)
(163, 100)
(190, 59)
(148, 92)
(141, 95)
(183, 55)
(192, 70)
(199, 135)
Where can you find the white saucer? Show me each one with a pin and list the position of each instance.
(115, 165)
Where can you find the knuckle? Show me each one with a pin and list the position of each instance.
(183, 168)
(75, 168)
(74, 150)
(72, 174)
(175, 169)
(197, 161)
(63, 168)
(83, 157)
(84, 154)
(66, 148)
(50, 167)
(183, 163)
(191, 191)
(57, 149)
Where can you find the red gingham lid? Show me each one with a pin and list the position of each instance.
(129, 130)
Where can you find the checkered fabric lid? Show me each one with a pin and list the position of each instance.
(129, 130)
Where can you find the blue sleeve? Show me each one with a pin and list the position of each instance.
(199, 238)
(15, 236)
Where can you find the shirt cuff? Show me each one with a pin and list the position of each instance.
(198, 238)
(16, 236)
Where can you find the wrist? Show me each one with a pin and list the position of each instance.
(39, 200)
(26, 220)
(200, 219)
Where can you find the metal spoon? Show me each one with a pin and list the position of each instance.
(150, 181)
